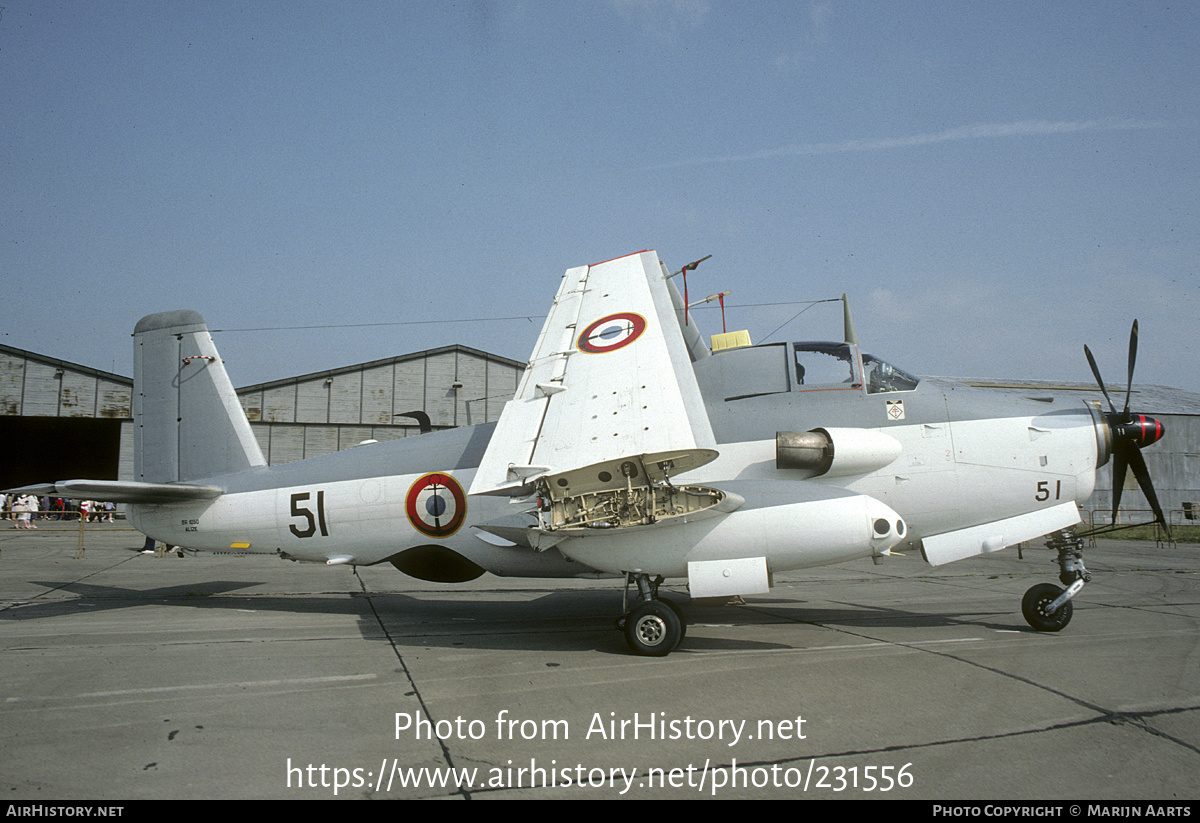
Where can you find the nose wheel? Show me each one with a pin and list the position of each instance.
(1045, 606)
(1035, 606)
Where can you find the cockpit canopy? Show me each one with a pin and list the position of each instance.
(774, 368)
(820, 364)
(884, 377)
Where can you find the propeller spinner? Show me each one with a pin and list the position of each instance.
(1130, 434)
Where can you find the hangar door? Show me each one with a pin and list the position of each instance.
(45, 449)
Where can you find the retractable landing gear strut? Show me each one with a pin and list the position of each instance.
(1047, 607)
(655, 626)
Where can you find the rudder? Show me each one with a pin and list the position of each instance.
(188, 422)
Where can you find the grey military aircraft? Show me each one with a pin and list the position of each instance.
(633, 451)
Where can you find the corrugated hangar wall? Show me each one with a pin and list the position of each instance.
(319, 413)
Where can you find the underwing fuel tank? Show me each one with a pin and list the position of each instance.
(791, 524)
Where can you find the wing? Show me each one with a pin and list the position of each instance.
(609, 390)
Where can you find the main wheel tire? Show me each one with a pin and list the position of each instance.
(1033, 607)
(675, 607)
(653, 628)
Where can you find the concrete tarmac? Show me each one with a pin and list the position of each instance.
(130, 676)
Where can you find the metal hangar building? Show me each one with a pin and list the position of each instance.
(60, 420)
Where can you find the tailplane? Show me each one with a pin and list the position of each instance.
(188, 422)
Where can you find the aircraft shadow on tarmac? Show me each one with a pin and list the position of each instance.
(524, 619)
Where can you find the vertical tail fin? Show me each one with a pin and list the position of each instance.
(188, 422)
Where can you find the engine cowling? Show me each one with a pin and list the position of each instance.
(835, 452)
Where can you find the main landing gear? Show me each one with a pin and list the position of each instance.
(1045, 606)
(655, 626)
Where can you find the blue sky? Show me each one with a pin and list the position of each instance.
(993, 184)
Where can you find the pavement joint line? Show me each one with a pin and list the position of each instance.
(416, 690)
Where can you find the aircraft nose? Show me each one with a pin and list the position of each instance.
(1142, 430)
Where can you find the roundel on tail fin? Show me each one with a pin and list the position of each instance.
(612, 332)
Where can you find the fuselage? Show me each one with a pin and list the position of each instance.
(964, 458)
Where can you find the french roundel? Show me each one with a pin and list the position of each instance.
(611, 333)
(436, 505)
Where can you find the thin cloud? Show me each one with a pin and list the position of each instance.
(1023, 128)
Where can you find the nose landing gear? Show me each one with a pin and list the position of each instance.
(1045, 606)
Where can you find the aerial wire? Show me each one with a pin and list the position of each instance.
(797, 314)
(530, 318)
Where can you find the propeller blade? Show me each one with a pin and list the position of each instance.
(1138, 463)
(1120, 463)
(1099, 381)
(1128, 437)
(1133, 338)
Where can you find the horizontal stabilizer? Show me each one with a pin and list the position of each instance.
(122, 491)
